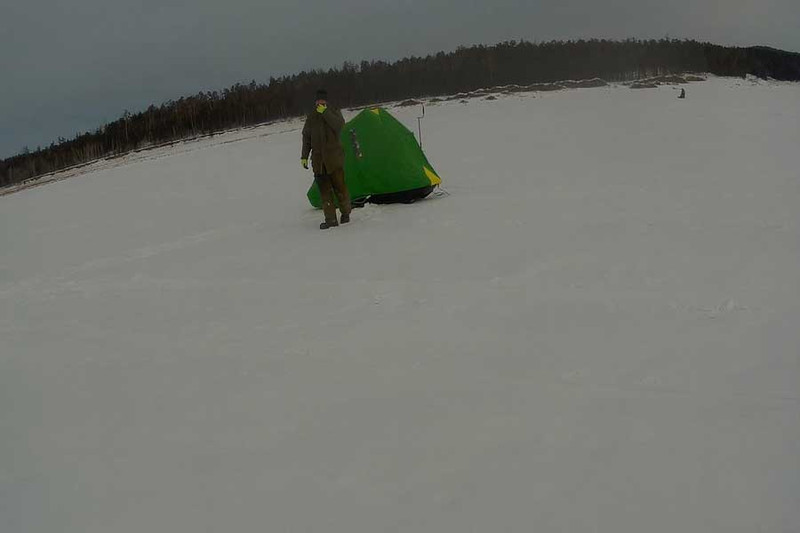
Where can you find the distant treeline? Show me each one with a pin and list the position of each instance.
(369, 82)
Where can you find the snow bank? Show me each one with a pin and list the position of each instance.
(596, 330)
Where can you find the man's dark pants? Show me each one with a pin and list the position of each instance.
(330, 184)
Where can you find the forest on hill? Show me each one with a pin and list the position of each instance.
(369, 82)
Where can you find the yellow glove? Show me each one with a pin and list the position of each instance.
(304, 163)
(321, 108)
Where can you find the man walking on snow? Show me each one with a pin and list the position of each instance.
(321, 135)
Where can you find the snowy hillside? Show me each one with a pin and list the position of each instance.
(597, 330)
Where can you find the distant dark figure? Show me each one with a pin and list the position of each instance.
(683, 93)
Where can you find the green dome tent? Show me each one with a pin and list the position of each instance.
(383, 162)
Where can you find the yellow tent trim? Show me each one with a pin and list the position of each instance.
(377, 110)
(435, 180)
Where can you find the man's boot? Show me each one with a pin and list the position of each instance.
(345, 218)
(326, 225)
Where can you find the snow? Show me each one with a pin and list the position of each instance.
(597, 330)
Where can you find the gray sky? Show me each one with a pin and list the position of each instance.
(71, 65)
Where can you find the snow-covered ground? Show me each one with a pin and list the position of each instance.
(597, 330)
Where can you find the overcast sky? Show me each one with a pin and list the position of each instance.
(71, 65)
